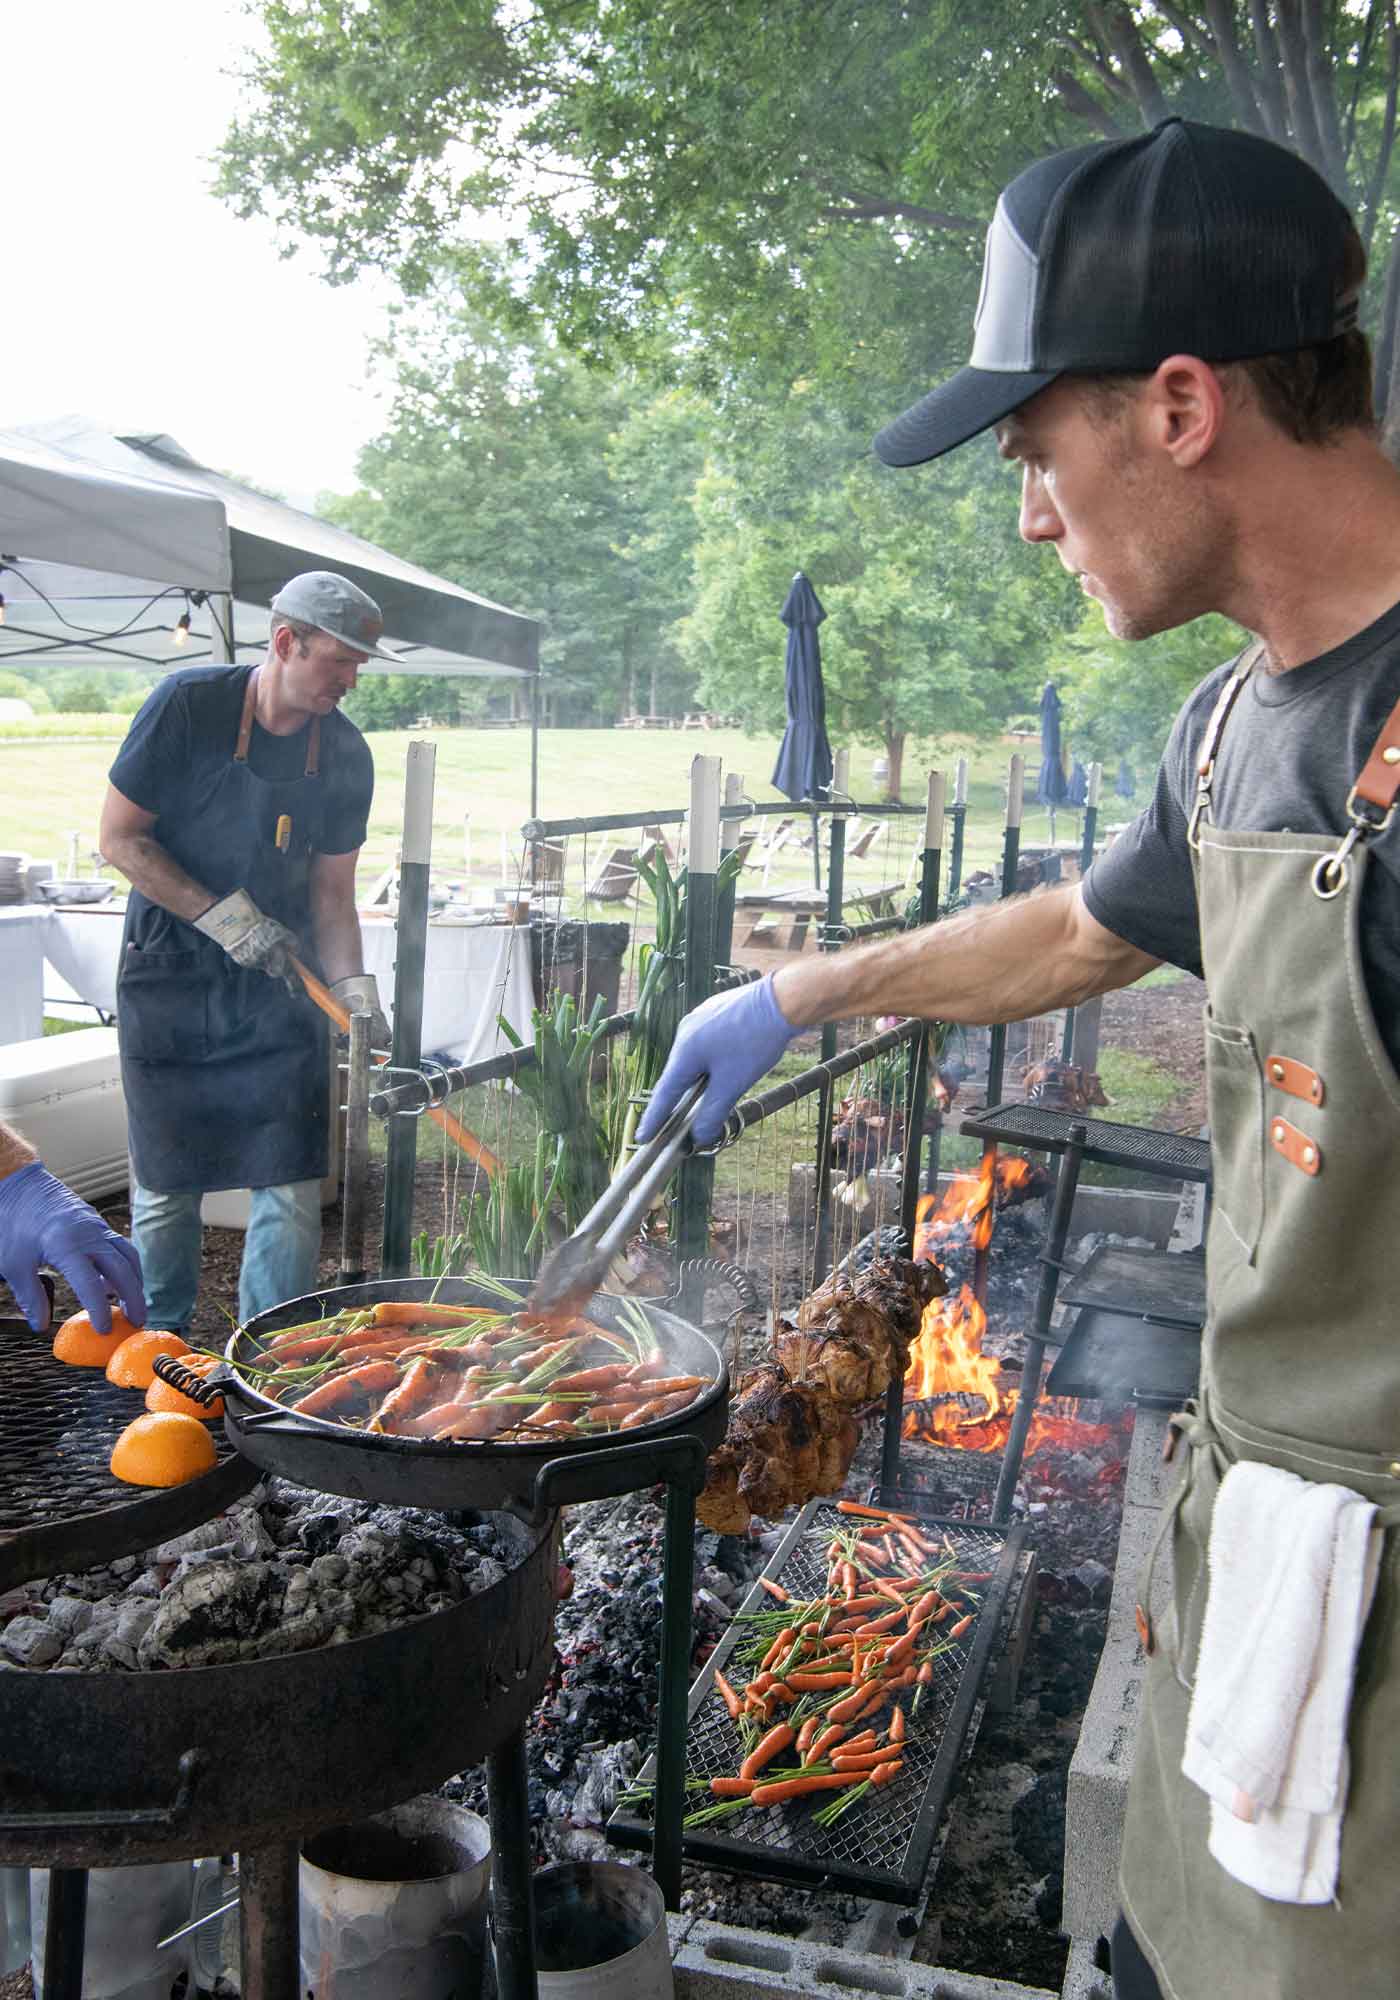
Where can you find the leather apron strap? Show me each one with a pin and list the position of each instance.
(245, 730)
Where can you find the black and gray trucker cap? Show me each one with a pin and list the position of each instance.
(1107, 258)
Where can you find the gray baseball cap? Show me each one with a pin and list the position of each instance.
(333, 604)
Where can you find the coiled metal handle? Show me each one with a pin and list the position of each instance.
(716, 1267)
(173, 1372)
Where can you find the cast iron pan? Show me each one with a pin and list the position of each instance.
(427, 1472)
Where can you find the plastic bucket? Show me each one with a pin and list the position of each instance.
(128, 1911)
(600, 1933)
(394, 1907)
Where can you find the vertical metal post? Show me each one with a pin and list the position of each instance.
(958, 816)
(354, 1194)
(512, 1872)
(535, 744)
(1062, 1209)
(697, 1175)
(996, 1049)
(411, 959)
(929, 864)
(269, 1922)
(729, 834)
(1086, 856)
(65, 1934)
(830, 941)
(677, 1592)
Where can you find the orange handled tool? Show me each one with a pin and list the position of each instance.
(457, 1132)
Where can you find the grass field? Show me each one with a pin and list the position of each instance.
(52, 787)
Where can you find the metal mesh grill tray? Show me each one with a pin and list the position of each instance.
(60, 1508)
(1172, 1155)
(882, 1845)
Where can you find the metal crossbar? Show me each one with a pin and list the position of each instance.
(1171, 1155)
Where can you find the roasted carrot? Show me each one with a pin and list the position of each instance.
(878, 1625)
(779, 1645)
(897, 1725)
(956, 1631)
(612, 1413)
(805, 1683)
(727, 1695)
(887, 1590)
(417, 1391)
(553, 1413)
(869, 1513)
(781, 1691)
(642, 1371)
(864, 1760)
(731, 1788)
(898, 1653)
(882, 1774)
(782, 1789)
(308, 1347)
(925, 1673)
(777, 1738)
(605, 1377)
(372, 1379)
(416, 1312)
(775, 1590)
(676, 1385)
(849, 1705)
(806, 1733)
(865, 1741)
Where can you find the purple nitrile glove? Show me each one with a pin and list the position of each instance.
(733, 1039)
(43, 1222)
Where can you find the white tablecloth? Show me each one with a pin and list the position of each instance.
(474, 973)
(23, 927)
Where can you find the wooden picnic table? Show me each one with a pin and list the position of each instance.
(780, 918)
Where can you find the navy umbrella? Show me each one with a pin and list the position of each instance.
(1053, 789)
(1126, 784)
(803, 769)
(1078, 793)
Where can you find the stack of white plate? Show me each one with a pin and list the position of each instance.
(12, 867)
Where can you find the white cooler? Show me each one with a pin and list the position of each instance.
(63, 1093)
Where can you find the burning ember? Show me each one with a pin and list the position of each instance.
(952, 1390)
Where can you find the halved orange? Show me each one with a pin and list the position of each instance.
(132, 1366)
(163, 1448)
(80, 1344)
(160, 1395)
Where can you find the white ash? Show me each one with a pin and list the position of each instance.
(285, 1570)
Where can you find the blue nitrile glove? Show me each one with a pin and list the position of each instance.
(734, 1039)
(43, 1222)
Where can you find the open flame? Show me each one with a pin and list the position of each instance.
(952, 1391)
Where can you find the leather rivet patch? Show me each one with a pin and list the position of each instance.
(1391, 754)
(1144, 1628)
(1296, 1147)
(1295, 1079)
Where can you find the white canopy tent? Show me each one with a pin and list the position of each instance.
(108, 542)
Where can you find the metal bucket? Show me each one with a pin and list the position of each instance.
(600, 1933)
(394, 1907)
(128, 1911)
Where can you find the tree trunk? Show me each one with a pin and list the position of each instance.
(651, 698)
(1387, 391)
(894, 753)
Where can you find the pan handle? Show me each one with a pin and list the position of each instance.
(603, 1475)
(117, 1820)
(713, 1267)
(202, 1389)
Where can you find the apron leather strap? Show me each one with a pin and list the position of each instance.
(245, 731)
(1215, 729)
(1380, 780)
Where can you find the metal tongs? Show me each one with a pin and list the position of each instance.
(576, 1268)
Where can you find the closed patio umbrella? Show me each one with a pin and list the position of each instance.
(803, 769)
(1053, 789)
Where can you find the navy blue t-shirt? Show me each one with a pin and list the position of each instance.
(185, 732)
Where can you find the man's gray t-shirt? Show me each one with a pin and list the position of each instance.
(1293, 748)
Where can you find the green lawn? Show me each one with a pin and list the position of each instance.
(50, 789)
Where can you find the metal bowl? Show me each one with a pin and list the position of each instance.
(432, 1472)
(75, 892)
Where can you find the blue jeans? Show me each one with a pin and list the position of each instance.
(281, 1250)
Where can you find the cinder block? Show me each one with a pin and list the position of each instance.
(1083, 1979)
(1097, 1794)
(720, 1962)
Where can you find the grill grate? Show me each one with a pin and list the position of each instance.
(882, 1845)
(57, 1428)
(1172, 1155)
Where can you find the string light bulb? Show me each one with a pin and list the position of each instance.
(182, 629)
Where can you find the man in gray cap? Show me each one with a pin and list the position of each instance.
(237, 808)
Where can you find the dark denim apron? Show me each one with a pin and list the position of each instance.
(224, 1070)
(1300, 1369)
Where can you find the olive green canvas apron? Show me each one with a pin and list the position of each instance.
(1300, 1369)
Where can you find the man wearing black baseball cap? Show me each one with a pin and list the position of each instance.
(1166, 346)
(237, 807)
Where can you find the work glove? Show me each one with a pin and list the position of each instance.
(733, 1039)
(358, 993)
(43, 1222)
(251, 940)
